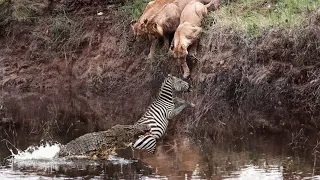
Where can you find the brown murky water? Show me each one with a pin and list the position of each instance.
(263, 158)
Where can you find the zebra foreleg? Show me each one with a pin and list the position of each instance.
(182, 101)
(177, 110)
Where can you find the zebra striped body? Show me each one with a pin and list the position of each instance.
(159, 112)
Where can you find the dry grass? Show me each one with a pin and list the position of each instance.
(4, 15)
(23, 10)
(20, 11)
(266, 83)
(65, 33)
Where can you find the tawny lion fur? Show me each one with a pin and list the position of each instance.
(163, 23)
(160, 17)
(166, 20)
(152, 8)
(188, 31)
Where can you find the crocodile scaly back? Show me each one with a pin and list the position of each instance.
(116, 137)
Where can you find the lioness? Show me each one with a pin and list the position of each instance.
(165, 22)
(138, 27)
(151, 9)
(188, 32)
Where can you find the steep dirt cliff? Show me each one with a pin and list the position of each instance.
(76, 69)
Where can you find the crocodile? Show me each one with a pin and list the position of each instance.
(103, 143)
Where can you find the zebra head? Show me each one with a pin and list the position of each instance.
(179, 84)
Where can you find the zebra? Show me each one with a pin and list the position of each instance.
(161, 111)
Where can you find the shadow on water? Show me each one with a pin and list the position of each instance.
(179, 158)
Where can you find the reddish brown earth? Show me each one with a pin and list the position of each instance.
(88, 74)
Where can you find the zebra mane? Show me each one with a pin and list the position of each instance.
(167, 80)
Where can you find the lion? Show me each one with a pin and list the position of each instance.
(165, 22)
(138, 26)
(162, 24)
(188, 31)
(185, 35)
(152, 8)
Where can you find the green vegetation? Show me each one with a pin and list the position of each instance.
(252, 16)
(4, 14)
(20, 10)
(65, 33)
(133, 9)
(25, 10)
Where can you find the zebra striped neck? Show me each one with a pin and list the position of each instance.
(166, 90)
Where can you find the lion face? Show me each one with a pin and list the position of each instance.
(137, 29)
(153, 29)
(143, 26)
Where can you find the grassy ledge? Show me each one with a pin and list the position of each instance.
(133, 9)
(253, 16)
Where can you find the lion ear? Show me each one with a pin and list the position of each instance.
(145, 21)
(155, 25)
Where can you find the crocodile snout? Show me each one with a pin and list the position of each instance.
(144, 129)
(147, 130)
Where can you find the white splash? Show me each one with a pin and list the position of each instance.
(44, 158)
(251, 172)
(196, 173)
(45, 152)
(119, 160)
(48, 152)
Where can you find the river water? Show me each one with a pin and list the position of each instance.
(251, 158)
